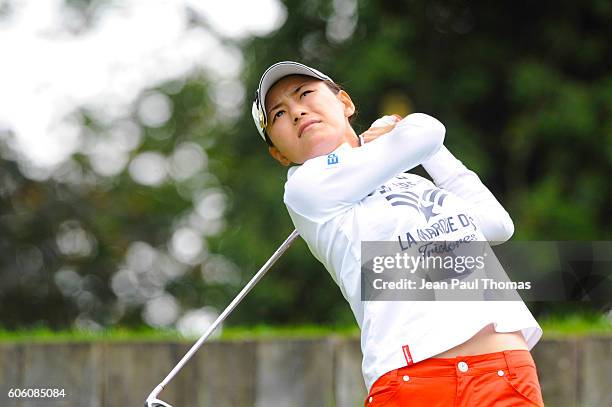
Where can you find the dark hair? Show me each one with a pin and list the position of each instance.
(335, 88)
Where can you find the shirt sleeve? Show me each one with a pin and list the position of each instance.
(321, 187)
(450, 174)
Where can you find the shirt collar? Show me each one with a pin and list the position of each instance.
(294, 168)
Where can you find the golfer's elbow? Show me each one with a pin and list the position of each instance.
(503, 231)
(430, 130)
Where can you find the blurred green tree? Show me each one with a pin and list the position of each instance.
(524, 89)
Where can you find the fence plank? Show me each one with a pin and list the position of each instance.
(558, 367)
(596, 372)
(10, 372)
(73, 368)
(350, 388)
(226, 374)
(131, 371)
(295, 373)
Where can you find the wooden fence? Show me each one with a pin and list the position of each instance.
(289, 372)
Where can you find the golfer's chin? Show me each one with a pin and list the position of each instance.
(321, 144)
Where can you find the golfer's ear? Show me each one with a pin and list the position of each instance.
(349, 106)
(278, 156)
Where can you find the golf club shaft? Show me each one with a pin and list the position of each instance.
(279, 252)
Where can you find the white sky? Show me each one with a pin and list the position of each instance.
(46, 72)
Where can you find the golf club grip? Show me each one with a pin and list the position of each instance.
(278, 253)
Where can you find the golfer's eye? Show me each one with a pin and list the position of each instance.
(306, 92)
(278, 114)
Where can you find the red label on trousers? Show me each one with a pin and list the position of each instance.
(407, 354)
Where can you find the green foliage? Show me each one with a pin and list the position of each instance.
(524, 89)
(523, 106)
(573, 324)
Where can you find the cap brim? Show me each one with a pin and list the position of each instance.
(282, 69)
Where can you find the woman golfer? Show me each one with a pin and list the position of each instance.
(345, 189)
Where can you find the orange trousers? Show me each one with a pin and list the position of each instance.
(501, 379)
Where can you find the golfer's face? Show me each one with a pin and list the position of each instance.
(305, 118)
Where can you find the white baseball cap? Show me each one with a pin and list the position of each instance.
(272, 75)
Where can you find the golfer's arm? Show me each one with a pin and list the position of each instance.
(320, 192)
(449, 173)
(412, 141)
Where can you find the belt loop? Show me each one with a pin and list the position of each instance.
(509, 363)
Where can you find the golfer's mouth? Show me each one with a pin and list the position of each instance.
(306, 125)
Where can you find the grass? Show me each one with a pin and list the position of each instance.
(42, 334)
(300, 331)
(150, 334)
(575, 325)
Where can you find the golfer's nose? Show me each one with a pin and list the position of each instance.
(297, 115)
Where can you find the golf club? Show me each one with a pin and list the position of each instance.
(152, 400)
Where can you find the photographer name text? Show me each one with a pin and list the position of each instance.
(453, 284)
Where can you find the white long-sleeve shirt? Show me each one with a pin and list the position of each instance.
(362, 194)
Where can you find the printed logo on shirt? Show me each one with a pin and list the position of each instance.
(332, 159)
(398, 195)
(440, 227)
